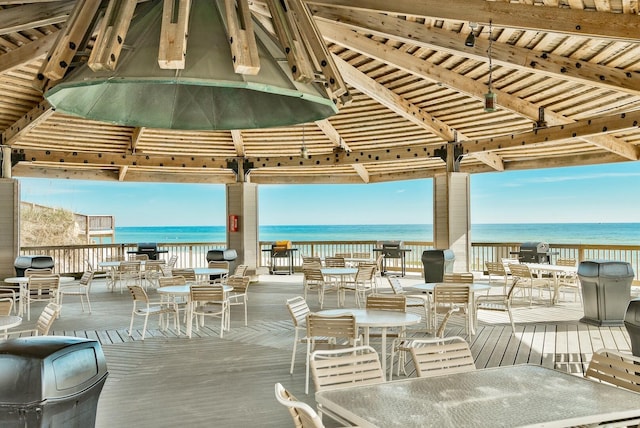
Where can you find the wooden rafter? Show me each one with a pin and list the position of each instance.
(173, 36)
(502, 54)
(242, 39)
(505, 14)
(238, 142)
(26, 123)
(111, 34)
(27, 53)
(28, 16)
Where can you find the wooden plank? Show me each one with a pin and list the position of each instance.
(173, 35)
(111, 35)
(241, 37)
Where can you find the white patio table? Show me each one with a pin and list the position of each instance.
(476, 287)
(538, 268)
(22, 282)
(514, 396)
(367, 318)
(9, 321)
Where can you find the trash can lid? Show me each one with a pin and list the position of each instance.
(33, 369)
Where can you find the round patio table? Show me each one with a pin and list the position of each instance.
(378, 319)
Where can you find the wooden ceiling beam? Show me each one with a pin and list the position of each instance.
(580, 129)
(29, 16)
(491, 159)
(27, 53)
(508, 15)
(503, 54)
(428, 71)
(332, 134)
(27, 122)
(362, 172)
(393, 101)
(119, 159)
(238, 142)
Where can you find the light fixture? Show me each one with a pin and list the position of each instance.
(206, 95)
(470, 41)
(304, 153)
(490, 98)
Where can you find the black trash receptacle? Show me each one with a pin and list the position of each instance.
(50, 381)
(632, 323)
(606, 290)
(436, 263)
(222, 254)
(22, 263)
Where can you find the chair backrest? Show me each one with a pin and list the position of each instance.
(241, 270)
(361, 255)
(442, 356)
(303, 415)
(462, 277)
(46, 318)
(154, 265)
(172, 261)
(311, 265)
(339, 326)
(130, 266)
(495, 268)
(207, 293)
(343, 255)
(240, 284)
(387, 302)
(86, 278)
(395, 284)
(188, 274)
(451, 294)
(298, 309)
(338, 368)
(138, 257)
(6, 306)
(114, 258)
(138, 294)
(310, 259)
(44, 282)
(37, 271)
(334, 262)
(613, 367)
(219, 264)
(519, 270)
(366, 272)
(166, 281)
(566, 262)
(313, 274)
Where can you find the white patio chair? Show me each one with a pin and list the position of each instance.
(80, 289)
(298, 309)
(441, 356)
(240, 293)
(615, 368)
(303, 415)
(40, 288)
(143, 307)
(207, 301)
(43, 325)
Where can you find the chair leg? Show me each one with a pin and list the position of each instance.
(293, 354)
(144, 328)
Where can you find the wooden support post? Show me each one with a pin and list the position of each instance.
(173, 35)
(70, 39)
(241, 37)
(311, 35)
(289, 36)
(111, 34)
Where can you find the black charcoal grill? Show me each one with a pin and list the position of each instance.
(219, 255)
(148, 248)
(392, 250)
(534, 252)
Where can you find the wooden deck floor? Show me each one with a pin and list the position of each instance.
(170, 380)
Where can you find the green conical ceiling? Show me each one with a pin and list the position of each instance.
(206, 95)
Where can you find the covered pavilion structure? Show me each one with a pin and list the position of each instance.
(416, 89)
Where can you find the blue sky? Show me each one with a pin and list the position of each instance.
(600, 193)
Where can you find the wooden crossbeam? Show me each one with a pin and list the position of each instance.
(315, 45)
(70, 39)
(289, 36)
(173, 34)
(27, 122)
(29, 16)
(242, 40)
(112, 34)
(27, 52)
(503, 54)
(508, 15)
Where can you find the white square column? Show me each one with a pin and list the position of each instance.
(451, 216)
(9, 225)
(242, 202)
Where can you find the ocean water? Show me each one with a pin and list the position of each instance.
(556, 233)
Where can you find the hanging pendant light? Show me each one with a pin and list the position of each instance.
(490, 98)
(206, 95)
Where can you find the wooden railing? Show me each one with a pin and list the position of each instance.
(70, 258)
